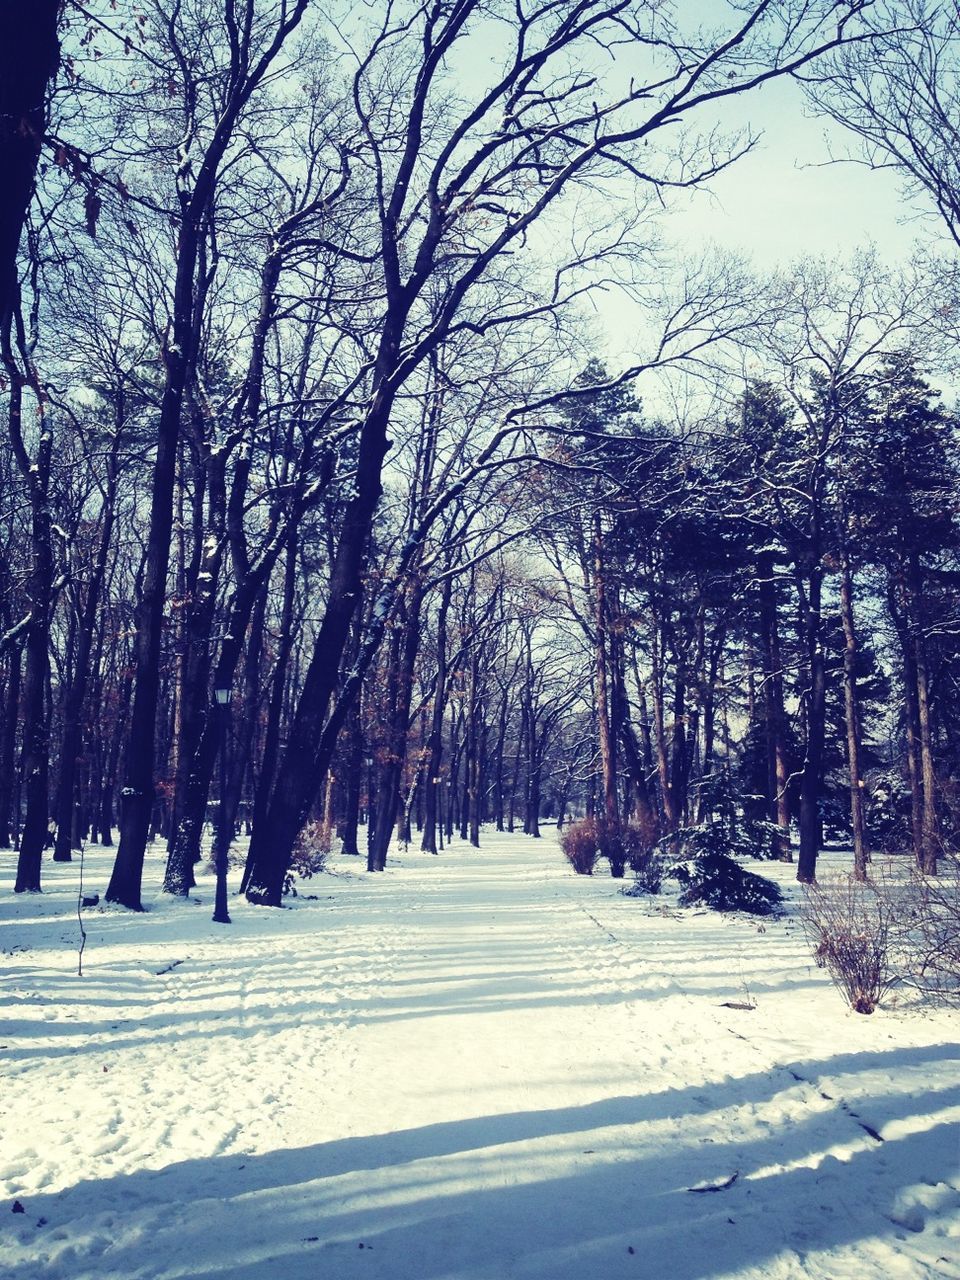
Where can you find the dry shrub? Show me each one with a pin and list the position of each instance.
(310, 853)
(612, 843)
(640, 837)
(590, 839)
(851, 926)
(580, 847)
(936, 929)
(648, 877)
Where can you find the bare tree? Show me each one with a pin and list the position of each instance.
(29, 58)
(461, 182)
(898, 95)
(212, 104)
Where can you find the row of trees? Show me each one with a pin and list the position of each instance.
(770, 602)
(293, 374)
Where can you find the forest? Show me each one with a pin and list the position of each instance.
(424, 515)
(329, 514)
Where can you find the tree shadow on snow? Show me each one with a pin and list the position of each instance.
(566, 1194)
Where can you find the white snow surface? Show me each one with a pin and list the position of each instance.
(469, 1067)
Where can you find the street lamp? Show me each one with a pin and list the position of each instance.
(368, 762)
(221, 915)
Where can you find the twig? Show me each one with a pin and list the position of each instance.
(716, 1186)
(83, 932)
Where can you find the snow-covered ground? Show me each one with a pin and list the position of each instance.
(471, 1066)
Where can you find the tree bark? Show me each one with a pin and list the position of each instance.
(852, 711)
(35, 760)
(29, 59)
(271, 844)
(399, 679)
(812, 775)
(667, 800)
(778, 805)
(929, 823)
(137, 795)
(8, 746)
(608, 746)
(433, 780)
(352, 764)
(73, 706)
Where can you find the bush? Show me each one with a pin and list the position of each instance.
(639, 842)
(850, 926)
(310, 853)
(621, 843)
(734, 823)
(627, 844)
(717, 881)
(710, 874)
(579, 844)
(612, 845)
(937, 929)
(647, 878)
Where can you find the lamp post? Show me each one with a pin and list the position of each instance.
(220, 913)
(368, 763)
(368, 760)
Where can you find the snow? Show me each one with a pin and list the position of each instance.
(470, 1067)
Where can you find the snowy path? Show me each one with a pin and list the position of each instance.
(470, 1068)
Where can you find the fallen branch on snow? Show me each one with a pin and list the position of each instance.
(716, 1186)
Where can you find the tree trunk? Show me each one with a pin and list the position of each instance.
(73, 708)
(308, 757)
(433, 779)
(399, 678)
(191, 787)
(929, 823)
(643, 807)
(678, 740)
(35, 760)
(667, 800)
(607, 741)
(852, 711)
(812, 775)
(137, 796)
(778, 804)
(113, 759)
(29, 58)
(352, 765)
(8, 746)
(245, 724)
(499, 762)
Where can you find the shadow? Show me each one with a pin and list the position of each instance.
(598, 1190)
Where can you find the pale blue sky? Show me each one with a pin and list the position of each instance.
(785, 200)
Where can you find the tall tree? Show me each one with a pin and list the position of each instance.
(244, 45)
(903, 485)
(460, 183)
(29, 58)
(899, 96)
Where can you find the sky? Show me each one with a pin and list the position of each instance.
(787, 200)
(794, 196)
